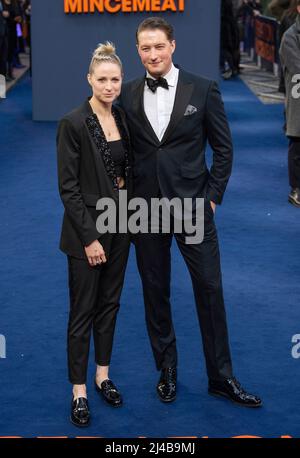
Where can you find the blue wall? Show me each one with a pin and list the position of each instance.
(62, 45)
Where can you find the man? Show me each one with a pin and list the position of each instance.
(230, 41)
(290, 61)
(171, 114)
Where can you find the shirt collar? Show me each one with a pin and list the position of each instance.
(171, 76)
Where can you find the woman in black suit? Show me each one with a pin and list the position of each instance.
(93, 162)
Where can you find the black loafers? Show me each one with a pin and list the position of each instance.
(80, 413)
(166, 387)
(232, 389)
(110, 393)
(294, 197)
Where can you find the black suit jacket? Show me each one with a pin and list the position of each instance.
(86, 173)
(176, 165)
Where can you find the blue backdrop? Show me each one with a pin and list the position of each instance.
(62, 45)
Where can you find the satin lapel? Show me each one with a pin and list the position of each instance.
(183, 94)
(138, 106)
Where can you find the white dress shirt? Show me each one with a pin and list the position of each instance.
(159, 105)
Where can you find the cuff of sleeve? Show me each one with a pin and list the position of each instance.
(215, 197)
(90, 237)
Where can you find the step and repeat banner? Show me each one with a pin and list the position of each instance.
(65, 33)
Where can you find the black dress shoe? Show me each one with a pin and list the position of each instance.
(110, 393)
(80, 414)
(166, 387)
(232, 389)
(294, 197)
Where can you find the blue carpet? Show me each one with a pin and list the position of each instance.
(259, 238)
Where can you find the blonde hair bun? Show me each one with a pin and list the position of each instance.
(105, 49)
(105, 52)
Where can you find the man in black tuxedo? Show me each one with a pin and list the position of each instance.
(171, 114)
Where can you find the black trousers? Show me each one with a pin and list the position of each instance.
(232, 57)
(203, 262)
(12, 42)
(3, 55)
(94, 303)
(294, 162)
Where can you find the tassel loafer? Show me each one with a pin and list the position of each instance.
(80, 413)
(110, 393)
(294, 197)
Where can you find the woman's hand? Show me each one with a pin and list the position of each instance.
(213, 206)
(95, 253)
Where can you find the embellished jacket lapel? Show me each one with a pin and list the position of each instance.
(102, 145)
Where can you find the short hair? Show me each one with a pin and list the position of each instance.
(153, 23)
(105, 52)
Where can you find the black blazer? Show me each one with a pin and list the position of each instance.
(176, 165)
(86, 173)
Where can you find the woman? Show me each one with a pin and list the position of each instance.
(93, 162)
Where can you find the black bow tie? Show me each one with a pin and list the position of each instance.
(153, 84)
